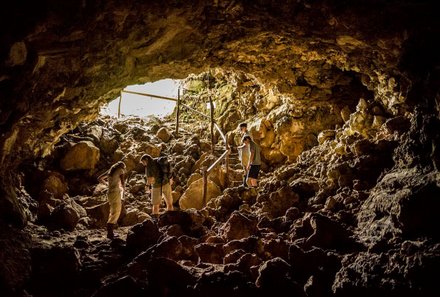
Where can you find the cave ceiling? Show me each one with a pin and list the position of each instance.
(61, 61)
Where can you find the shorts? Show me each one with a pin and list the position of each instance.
(156, 198)
(253, 171)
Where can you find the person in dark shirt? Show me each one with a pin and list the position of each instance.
(161, 184)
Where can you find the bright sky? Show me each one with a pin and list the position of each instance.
(143, 106)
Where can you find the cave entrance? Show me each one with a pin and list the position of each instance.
(135, 103)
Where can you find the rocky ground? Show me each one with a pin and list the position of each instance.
(323, 225)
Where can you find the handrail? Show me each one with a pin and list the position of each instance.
(149, 95)
(193, 110)
(221, 133)
(213, 165)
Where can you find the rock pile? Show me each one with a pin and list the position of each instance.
(329, 224)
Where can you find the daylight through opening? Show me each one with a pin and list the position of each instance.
(144, 106)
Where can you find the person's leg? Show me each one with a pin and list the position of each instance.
(155, 200)
(244, 175)
(155, 209)
(110, 234)
(257, 172)
(166, 191)
(114, 200)
(244, 163)
(248, 179)
(253, 175)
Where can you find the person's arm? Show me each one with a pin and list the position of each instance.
(171, 176)
(149, 178)
(241, 146)
(251, 157)
(122, 177)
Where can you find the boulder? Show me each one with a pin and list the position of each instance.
(224, 205)
(181, 218)
(148, 148)
(108, 144)
(193, 196)
(328, 233)
(186, 163)
(280, 201)
(233, 256)
(142, 235)
(159, 271)
(251, 244)
(55, 184)
(95, 132)
(99, 214)
(81, 211)
(178, 148)
(292, 214)
(246, 264)
(218, 176)
(239, 226)
(276, 247)
(163, 134)
(82, 155)
(188, 244)
(210, 252)
(64, 216)
(172, 230)
(275, 276)
(195, 176)
(133, 217)
(169, 247)
(204, 160)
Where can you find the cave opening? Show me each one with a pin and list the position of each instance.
(140, 105)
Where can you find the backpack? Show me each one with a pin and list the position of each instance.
(164, 168)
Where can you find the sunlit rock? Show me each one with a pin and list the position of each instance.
(193, 196)
(163, 134)
(83, 155)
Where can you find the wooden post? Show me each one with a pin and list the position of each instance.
(205, 185)
(212, 123)
(178, 112)
(119, 105)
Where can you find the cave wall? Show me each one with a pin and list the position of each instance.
(62, 61)
(284, 124)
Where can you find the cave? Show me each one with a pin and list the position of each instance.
(342, 97)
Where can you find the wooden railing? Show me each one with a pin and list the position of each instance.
(225, 154)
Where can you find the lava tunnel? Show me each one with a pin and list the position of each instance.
(341, 98)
